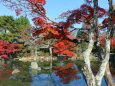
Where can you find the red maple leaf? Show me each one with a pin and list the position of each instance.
(4, 56)
(64, 47)
(39, 21)
(7, 48)
(43, 2)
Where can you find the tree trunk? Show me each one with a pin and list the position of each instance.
(51, 58)
(33, 54)
(109, 35)
(104, 63)
(36, 55)
(91, 79)
(109, 76)
(87, 68)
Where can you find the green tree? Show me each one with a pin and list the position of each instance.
(11, 28)
(6, 23)
(20, 24)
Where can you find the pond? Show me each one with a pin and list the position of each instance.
(53, 80)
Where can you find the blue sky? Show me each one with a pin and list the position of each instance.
(56, 7)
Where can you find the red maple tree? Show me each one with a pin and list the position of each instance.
(8, 48)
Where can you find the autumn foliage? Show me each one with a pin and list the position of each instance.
(64, 47)
(7, 48)
(102, 41)
(43, 2)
